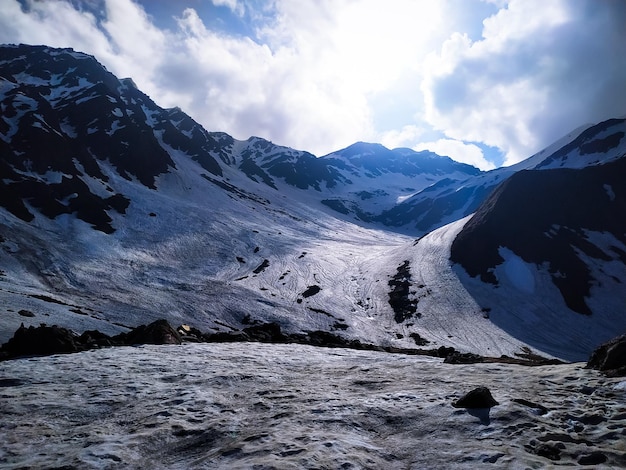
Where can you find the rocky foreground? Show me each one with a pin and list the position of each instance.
(46, 340)
(264, 406)
(228, 401)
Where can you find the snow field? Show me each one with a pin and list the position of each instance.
(291, 406)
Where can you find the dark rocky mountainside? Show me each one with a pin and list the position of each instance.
(69, 115)
(63, 116)
(550, 216)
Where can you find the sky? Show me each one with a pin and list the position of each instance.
(486, 82)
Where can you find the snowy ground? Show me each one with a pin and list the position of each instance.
(290, 406)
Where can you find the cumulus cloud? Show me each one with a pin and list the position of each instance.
(54, 23)
(539, 69)
(406, 136)
(304, 80)
(235, 6)
(319, 75)
(462, 152)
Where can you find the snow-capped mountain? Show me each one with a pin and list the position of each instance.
(560, 217)
(117, 212)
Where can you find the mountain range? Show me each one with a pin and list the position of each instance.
(116, 212)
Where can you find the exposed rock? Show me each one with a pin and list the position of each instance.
(610, 357)
(93, 339)
(310, 291)
(419, 341)
(326, 339)
(41, 340)
(478, 398)
(445, 351)
(265, 333)
(226, 337)
(158, 332)
(457, 357)
(26, 313)
(51, 340)
(595, 458)
(543, 217)
(261, 267)
(403, 306)
(190, 334)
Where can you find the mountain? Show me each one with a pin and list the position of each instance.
(361, 181)
(555, 230)
(67, 118)
(116, 212)
(560, 218)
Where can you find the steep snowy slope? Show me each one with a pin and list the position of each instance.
(550, 243)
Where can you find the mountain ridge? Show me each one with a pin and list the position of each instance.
(201, 228)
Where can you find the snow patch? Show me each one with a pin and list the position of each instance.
(517, 271)
(115, 126)
(609, 191)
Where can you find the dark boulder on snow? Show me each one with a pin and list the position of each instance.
(594, 458)
(311, 291)
(189, 334)
(610, 357)
(41, 340)
(265, 333)
(226, 337)
(93, 339)
(157, 332)
(478, 398)
(456, 357)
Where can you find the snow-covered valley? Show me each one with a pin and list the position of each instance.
(292, 406)
(116, 212)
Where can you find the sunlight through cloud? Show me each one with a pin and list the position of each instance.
(320, 75)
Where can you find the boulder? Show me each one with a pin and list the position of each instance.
(92, 339)
(224, 337)
(457, 357)
(610, 357)
(326, 339)
(594, 458)
(265, 333)
(158, 332)
(41, 340)
(190, 334)
(478, 398)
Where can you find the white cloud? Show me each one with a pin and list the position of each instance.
(540, 70)
(322, 74)
(407, 136)
(460, 151)
(234, 5)
(53, 23)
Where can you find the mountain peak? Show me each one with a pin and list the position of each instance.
(361, 149)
